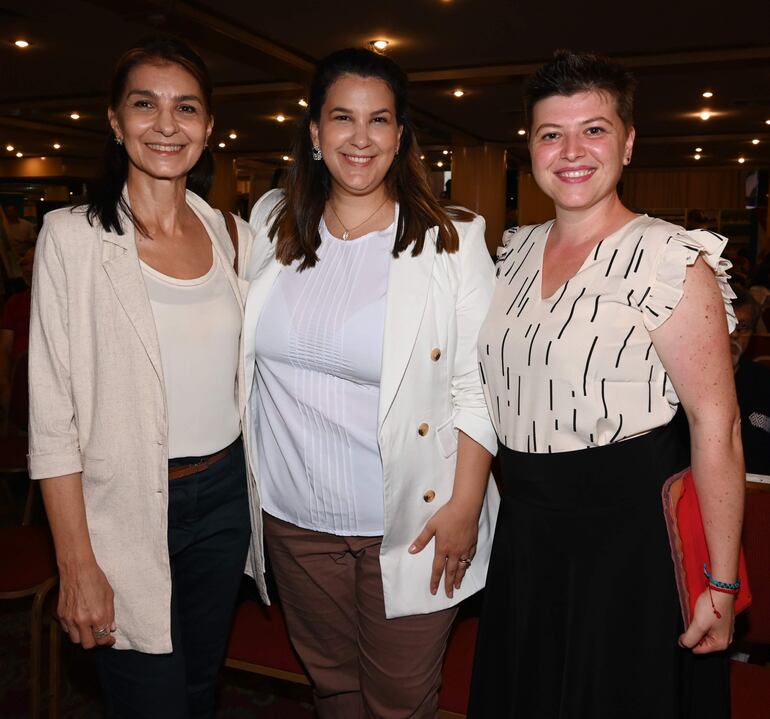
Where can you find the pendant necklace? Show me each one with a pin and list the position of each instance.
(346, 232)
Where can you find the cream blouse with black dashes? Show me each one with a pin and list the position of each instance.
(578, 369)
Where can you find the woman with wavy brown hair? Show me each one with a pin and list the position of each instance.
(369, 436)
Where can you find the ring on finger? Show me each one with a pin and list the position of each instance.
(101, 633)
(465, 560)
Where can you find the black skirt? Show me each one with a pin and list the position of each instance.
(581, 616)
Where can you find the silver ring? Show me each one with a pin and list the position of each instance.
(101, 633)
(465, 561)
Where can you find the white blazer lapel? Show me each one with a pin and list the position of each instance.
(408, 283)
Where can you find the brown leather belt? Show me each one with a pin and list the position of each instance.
(178, 471)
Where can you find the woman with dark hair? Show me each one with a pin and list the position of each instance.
(370, 439)
(602, 324)
(134, 402)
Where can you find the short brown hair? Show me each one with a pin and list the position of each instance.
(569, 73)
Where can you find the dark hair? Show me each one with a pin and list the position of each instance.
(744, 298)
(569, 73)
(104, 198)
(296, 218)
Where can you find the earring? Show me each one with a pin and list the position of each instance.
(118, 140)
(317, 154)
(626, 160)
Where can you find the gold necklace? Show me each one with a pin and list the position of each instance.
(346, 231)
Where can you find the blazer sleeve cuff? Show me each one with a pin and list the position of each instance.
(42, 466)
(478, 429)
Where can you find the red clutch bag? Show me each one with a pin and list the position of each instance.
(688, 545)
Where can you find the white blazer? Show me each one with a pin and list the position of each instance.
(430, 382)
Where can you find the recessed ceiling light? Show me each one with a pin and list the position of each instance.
(458, 92)
(74, 116)
(19, 154)
(280, 118)
(21, 43)
(56, 146)
(741, 160)
(10, 148)
(708, 93)
(378, 45)
(522, 131)
(705, 115)
(233, 135)
(439, 164)
(755, 141)
(221, 144)
(42, 157)
(698, 149)
(445, 152)
(696, 157)
(285, 158)
(422, 157)
(42, 199)
(302, 102)
(767, 122)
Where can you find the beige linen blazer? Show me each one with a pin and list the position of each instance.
(430, 388)
(98, 404)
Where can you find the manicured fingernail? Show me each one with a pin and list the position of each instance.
(413, 549)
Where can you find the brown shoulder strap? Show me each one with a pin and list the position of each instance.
(232, 230)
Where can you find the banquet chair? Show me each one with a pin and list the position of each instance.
(750, 682)
(28, 569)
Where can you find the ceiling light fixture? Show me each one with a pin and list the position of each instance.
(439, 164)
(378, 45)
(708, 93)
(767, 122)
(755, 141)
(10, 148)
(458, 92)
(302, 102)
(233, 135)
(280, 118)
(74, 116)
(422, 157)
(19, 154)
(696, 157)
(698, 149)
(285, 158)
(705, 115)
(741, 160)
(21, 43)
(221, 144)
(56, 146)
(522, 131)
(445, 152)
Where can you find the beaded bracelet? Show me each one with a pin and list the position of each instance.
(716, 584)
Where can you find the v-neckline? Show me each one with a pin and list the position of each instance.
(590, 257)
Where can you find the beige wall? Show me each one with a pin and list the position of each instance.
(478, 183)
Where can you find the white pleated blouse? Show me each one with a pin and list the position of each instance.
(578, 369)
(319, 347)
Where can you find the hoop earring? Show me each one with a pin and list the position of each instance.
(317, 154)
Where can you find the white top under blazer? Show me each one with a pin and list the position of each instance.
(319, 359)
(198, 322)
(578, 369)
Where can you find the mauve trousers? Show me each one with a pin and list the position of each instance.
(362, 665)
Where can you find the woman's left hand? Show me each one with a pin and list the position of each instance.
(707, 631)
(455, 528)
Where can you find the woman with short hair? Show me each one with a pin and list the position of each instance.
(602, 324)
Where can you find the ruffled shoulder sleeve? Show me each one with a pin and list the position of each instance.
(505, 249)
(679, 250)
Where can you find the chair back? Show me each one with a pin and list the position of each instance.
(756, 544)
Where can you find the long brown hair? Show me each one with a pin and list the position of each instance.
(295, 222)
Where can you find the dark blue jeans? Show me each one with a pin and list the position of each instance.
(208, 537)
